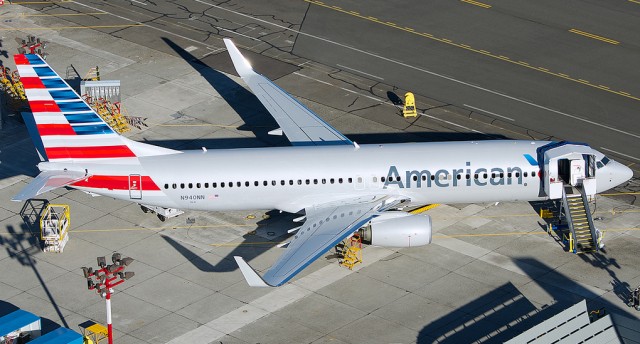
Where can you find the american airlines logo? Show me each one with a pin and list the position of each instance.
(456, 177)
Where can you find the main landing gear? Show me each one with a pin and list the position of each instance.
(162, 213)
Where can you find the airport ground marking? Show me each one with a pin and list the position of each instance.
(394, 61)
(37, 2)
(22, 15)
(483, 52)
(477, 3)
(635, 1)
(621, 154)
(435, 236)
(592, 36)
(71, 27)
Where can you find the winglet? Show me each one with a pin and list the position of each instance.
(252, 277)
(243, 67)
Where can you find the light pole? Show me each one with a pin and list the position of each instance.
(107, 277)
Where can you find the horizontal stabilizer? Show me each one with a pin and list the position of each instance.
(252, 277)
(47, 181)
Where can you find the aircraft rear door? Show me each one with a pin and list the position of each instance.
(135, 186)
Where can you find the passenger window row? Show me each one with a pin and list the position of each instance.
(282, 182)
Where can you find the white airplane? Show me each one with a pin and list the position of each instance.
(338, 185)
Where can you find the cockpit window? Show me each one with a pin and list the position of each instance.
(602, 162)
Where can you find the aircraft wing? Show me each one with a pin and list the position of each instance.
(325, 227)
(299, 124)
(47, 181)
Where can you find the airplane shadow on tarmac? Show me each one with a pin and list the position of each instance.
(506, 312)
(23, 245)
(269, 232)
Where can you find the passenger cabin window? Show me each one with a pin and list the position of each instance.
(166, 186)
(182, 185)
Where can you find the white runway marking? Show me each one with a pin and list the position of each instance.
(489, 112)
(426, 71)
(624, 155)
(384, 101)
(360, 72)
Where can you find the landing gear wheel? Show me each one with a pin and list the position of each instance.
(162, 218)
(144, 209)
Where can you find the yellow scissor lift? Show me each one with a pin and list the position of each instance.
(352, 252)
(54, 227)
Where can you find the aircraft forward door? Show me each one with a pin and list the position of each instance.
(135, 186)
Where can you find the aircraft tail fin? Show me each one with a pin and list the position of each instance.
(64, 127)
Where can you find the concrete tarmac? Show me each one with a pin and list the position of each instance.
(491, 272)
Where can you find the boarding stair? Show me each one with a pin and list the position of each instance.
(584, 236)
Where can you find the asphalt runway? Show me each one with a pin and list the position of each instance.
(564, 71)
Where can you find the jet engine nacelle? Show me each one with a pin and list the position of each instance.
(398, 229)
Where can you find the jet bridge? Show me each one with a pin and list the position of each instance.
(568, 174)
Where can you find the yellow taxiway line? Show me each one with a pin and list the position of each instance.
(590, 35)
(483, 52)
(477, 3)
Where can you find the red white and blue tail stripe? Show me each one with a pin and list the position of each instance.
(69, 128)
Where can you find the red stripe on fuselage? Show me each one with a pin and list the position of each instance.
(55, 129)
(89, 152)
(30, 82)
(116, 183)
(44, 106)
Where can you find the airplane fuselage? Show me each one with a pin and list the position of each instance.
(293, 178)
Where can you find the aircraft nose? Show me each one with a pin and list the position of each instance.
(620, 173)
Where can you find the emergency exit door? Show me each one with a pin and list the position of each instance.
(135, 186)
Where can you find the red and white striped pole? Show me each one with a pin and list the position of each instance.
(107, 277)
(109, 326)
